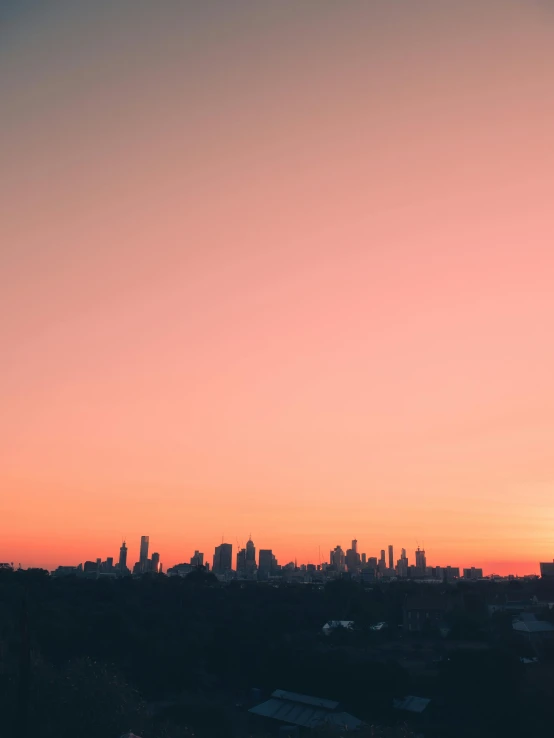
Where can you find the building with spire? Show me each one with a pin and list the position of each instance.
(123, 558)
(250, 556)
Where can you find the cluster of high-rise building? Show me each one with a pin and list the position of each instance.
(95, 568)
(265, 566)
(384, 566)
(351, 562)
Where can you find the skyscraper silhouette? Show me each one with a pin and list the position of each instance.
(143, 558)
(123, 557)
(265, 565)
(420, 562)
(250, 561)
(223, 558)
(156, 563)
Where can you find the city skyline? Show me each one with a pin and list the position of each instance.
(234, 558)
(286, 272)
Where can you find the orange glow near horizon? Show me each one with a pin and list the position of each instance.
(282, 269)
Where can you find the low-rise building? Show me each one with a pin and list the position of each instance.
(308, 713)
(537, 633)
(333, 625)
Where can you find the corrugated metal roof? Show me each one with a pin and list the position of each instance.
(533, 626)
(305, 699)
(296, 713)
(412, 704)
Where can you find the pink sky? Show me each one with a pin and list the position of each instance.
(282, 269)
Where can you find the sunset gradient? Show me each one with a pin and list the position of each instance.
(281, 268)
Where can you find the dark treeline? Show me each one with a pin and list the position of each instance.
(170, 657)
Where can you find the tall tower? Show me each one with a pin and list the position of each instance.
(355, 546)
(143, 558)
(223, 558)
(250, 554)
(250, 550)
(123, 557)
(336, 558)
(391, 557)
(420, 560)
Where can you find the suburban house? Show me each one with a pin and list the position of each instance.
(537, 633)
(332, 625)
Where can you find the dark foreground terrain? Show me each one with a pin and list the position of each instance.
(168, 657)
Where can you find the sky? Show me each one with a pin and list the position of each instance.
(281, 269)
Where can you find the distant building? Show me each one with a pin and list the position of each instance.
(197, 559)
(547, 570)
(266, 563)
(402, 564)
(143, 556)
(337, 558)
(223, 558)
(241, 561)
(473, 573)
(352, 558)
(246, 560)
(155, 563)
(451, 573)
(64, 571)
(180, 570)
(369, 574)
(123, 557)
(391, 557)
(420, 563)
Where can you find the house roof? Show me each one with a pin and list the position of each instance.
(533, 626)
(411, 703)
(338, 624)
(305, 699)
(298, 713)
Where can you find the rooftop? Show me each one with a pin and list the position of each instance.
(338, 624)
(303, 710)
(533, 626)
(305, 699)
(411, 703)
